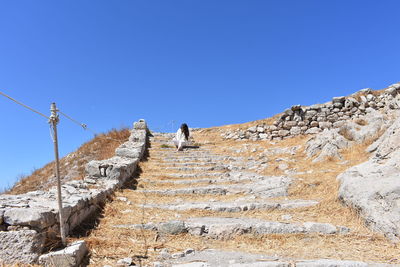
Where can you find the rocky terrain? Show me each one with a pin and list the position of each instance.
(319, 186)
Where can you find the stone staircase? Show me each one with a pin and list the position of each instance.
(197, 194)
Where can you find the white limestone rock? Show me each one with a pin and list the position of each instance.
(373, 187)
(325, 144)
(70, 256)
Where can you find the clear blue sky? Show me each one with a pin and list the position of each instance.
(204, 62)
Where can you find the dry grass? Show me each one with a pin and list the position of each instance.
(101, 147)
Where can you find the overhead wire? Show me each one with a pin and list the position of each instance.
(25, 106)
(83, 125)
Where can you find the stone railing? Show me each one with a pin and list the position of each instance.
(313, 119)
(29, 222)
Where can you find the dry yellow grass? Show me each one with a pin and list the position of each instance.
(101, 147)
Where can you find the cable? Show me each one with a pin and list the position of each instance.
(84, 126)
(25, 106)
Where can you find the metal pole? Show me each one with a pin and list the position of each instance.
(54, 119)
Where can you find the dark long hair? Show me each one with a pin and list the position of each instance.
(185, 130)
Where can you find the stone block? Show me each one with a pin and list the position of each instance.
(140, 125)
(283, 133)
(311, 113)
(295, 130)
(313, 130)
(272, 128)
(70, 256)
(24, 246)
(370, 97)
(325, 125)
(289, 124)
(252, 129)
(260, 129)
(332, 118)
(138, 136)
(172, 227)
(128, 153)
(35, 217)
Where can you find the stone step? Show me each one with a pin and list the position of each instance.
(236, 206)
(192, 153)
(232, 176)
(225, 228)
(191, 159)
(194, 175)
(187, 164)
(221, 258)
(197, 169)
(271, 187)
(171, 150)
(180, 181)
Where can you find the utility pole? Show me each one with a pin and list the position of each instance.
(54, 119)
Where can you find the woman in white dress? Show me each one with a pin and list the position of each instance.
(182, 137)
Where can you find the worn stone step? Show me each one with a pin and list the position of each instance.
(232, 176)
(236, 206)
(272, 187)
(180, 181)
(198, 169)
(225, 228)
(191, 159)
(194, 175)
(220, 258)
(171, 151)
(187, 164)
(188, 152)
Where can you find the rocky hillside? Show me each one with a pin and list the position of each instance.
(313, 186)
(329, 197)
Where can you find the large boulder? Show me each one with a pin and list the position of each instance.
(326, 144)
(373, 187)
(388, 143)
(362, 129)
(329, 142)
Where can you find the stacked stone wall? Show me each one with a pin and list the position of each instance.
(300, 120)
(29, 223)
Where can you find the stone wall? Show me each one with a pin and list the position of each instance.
(313, 119)
(29, 223)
